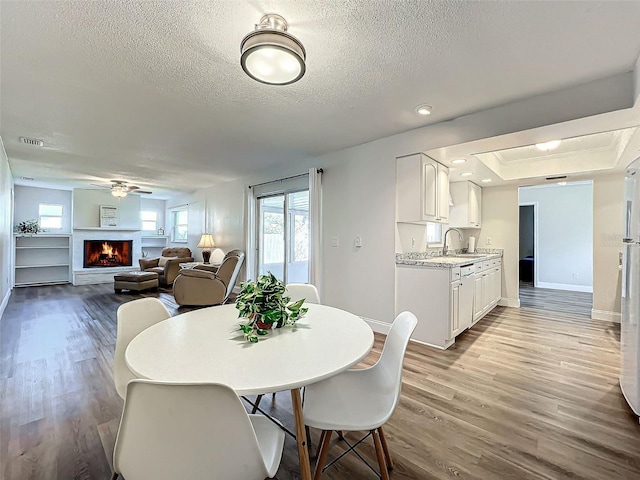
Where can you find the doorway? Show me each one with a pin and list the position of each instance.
(283, 236)
(556, 246)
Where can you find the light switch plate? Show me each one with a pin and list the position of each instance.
(335, 242)
(358, 241)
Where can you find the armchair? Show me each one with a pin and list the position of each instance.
(167, 266)
(206, 284)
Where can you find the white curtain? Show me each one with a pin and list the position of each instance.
(250, 233)
(315, 224)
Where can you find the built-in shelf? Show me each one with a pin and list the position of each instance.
(42, 259)
(44, 266)
(48, 248)
(154, 244)
(109, 229)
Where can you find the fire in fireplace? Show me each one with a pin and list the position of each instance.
(108, 253)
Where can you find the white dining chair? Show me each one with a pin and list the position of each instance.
(132, 318)
(303, 290)
(361, 399)
(193, 431)
(296, 291)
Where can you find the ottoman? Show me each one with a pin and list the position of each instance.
(135, 281)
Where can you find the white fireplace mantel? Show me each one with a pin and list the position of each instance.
(90, 276)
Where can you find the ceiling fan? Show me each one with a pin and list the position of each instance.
(120, 188)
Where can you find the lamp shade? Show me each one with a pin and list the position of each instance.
(206, 241)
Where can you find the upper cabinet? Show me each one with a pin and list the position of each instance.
(422, 190)
(467, 205)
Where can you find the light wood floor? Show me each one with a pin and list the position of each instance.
(520, 396)
(561, 301)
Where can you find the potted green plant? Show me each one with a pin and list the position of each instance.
(264, 304)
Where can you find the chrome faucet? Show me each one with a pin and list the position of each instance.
(444, 248)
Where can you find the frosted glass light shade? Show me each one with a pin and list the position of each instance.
(270, 55)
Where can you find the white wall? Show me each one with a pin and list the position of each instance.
(359, 199)
(6, 228)
(158, 206)
(27, 201)
(86, 208)
(608, 224)
(195, 207)
(565, 234)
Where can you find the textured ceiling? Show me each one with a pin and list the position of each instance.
(153, 92)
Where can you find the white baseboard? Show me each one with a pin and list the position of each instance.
(5, 301)
(383, 327)
(378, 326)
(509, 302)
(565, 286)
(605, 315)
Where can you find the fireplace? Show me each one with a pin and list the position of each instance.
(107, 253)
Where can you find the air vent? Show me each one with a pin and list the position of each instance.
(32, 141)
(561, 177)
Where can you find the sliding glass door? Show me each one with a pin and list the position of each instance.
(283, 236)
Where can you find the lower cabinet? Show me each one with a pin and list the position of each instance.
(445, 301)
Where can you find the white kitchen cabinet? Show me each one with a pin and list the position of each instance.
(466, 211)
(422, 190)
(454, 310)
(447, 300)
(488, 287)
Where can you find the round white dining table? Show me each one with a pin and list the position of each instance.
(207, 345)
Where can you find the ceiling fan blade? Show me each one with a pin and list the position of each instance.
(141, 191)
(101, 186)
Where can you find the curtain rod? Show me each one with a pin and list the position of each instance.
(319, 170)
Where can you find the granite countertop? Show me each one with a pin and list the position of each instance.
(454, 259)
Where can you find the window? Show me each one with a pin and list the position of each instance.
(180, 224)
(149, 220)
(50, 216)
(433, 234)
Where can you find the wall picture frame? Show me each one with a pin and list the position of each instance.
(108, 216)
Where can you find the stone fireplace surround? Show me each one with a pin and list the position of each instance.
(90, 276)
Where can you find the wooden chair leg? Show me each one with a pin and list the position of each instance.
(320, 442)
(273, 396)
(385, 447)
(384, 473)
(256, 404)
(322, 456)
(340, 435)
(114, 476)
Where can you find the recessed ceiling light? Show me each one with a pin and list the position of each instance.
(466, 174)
(424, 109)
(459, 160)
(562, 183)
(486, 180)
(548, 146)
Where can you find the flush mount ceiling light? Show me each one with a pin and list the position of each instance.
(424, 109)
(548, 146)
(486, 180)
(459, 160)
(466, 174)
(270, 55)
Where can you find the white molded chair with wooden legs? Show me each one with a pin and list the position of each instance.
(193, 431)
(296, 291)
(361, 399)
(133, 317)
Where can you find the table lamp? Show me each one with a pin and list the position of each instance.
(206, 242)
